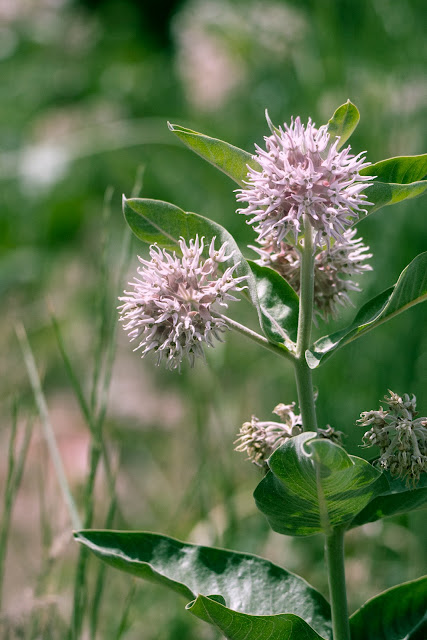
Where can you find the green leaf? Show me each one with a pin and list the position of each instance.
(396, 614)
(409, 290)
(229, 159)
(279, 304)
(343, 123)
(397, 179)
(164, 223)
(241, 626)
(396, 499)
(245, 582)
(399, 170)
(313, 485)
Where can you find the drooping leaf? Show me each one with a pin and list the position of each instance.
(409, 290)
(399, 613)
(398, 498)
(397, 179)
(245, 582)
(164, 223)
(343, 123)
(241, 626)
(226, 157)
(278, 302)
(313, 485)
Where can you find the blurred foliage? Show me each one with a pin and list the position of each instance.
(87, 88)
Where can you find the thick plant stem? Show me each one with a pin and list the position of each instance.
(305, 320)
(334, 555)
(305, 395)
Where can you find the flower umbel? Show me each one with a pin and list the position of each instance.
(172, 308)
(301, 172)
(259, 439)
(333, 268)
(400, 435)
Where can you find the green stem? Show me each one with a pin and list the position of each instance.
(280, 350)
(80, 584)
(305, 317)
(305, 321)
(15, 468)
(305, 395)
(334, 555)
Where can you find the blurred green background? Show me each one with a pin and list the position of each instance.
(86, 90)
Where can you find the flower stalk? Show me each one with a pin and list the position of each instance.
(256, 337)
(305, 319)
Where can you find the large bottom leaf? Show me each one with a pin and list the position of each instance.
(248, 586)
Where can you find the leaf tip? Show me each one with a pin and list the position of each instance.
(312, 359)
(78, 537)
(270, 124)
(171, 126)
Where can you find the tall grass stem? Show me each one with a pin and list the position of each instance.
(46, 425)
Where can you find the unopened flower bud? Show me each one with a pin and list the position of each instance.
(329, 433)
(259, 439)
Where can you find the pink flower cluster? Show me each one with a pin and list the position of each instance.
(303, 172)
(172, 309)
(333, 269)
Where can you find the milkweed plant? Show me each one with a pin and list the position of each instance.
(302, 192)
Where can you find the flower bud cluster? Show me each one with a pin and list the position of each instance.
(329, 433)
(333, 268)
(172, 308)
(303, 172)
(401, 436)
(259, 439)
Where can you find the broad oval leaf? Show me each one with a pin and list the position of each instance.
(246, 583)
(155, 221)
(226, 157)
(343, 123)
(241, 626)
(164, 223)
(399, 170)
(313, 485)
(396, 499)
(399, 613)
(279, 304)
(397, 179)
(409, 290)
